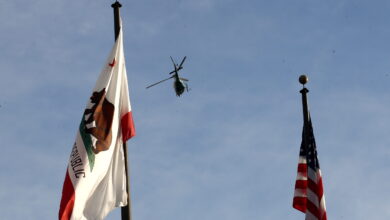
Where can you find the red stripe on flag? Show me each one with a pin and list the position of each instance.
(301, 184)
(313, 209)
(128, 129)
(324, 216)
(300, 203)
(320, 188)
(313, 187)
(302, 168)
(67, 200)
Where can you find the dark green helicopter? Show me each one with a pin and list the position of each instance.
(179, 84)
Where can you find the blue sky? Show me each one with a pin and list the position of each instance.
(228, 149)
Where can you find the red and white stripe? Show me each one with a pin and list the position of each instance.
(309, 194)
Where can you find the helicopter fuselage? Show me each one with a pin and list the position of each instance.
(178, 85)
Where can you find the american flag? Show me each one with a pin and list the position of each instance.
(309, 192)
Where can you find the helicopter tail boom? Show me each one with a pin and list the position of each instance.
(160, 82)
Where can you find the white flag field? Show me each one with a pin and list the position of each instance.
(95, 180)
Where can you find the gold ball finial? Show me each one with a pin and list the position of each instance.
(303, 79)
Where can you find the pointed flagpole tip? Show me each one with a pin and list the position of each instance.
(303, 79)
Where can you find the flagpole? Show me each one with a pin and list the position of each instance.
(116, 5)
(303, 80)
(126, 210)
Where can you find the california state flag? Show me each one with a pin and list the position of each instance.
(95, 181)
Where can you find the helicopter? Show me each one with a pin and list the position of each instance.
(179, 84)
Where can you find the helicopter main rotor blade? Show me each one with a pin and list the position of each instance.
(181, 64)
(159, 82)
(174, 64)
(184, 79)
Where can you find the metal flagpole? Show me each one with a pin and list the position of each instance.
(116, 5)
(303, 80)
(306, 117)
(126, 210)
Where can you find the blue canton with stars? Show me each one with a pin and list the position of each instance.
(308, 147)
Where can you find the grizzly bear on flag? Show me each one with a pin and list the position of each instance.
(99, 121)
